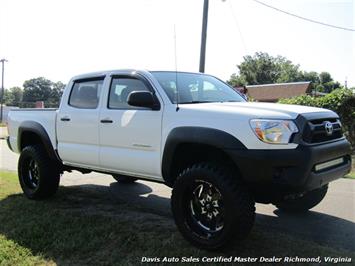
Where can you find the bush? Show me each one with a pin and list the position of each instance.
(301, 100)
(341, 101)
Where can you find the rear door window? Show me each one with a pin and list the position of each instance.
(85, 94)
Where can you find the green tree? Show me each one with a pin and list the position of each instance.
(13, 96)
(236, 80)
(320, 88)
(258, 69)
(262, 68)
(331, 85)
(7, 97)
(288, 72)
(37, 89)
(325, 77)
(42, 89)
(56, 93)
(326, 80)
(311, 76)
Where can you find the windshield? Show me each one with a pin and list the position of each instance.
(195, 88)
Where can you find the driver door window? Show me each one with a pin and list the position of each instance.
(119, 91)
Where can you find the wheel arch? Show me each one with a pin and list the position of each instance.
(31, 133)
(186, 145)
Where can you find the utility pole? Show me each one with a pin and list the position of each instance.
(203, 36)
(2, 88)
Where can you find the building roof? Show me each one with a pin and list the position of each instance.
(274, 92)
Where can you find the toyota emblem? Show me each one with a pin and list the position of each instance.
(328, 128)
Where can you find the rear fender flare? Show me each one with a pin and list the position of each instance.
(39, 130)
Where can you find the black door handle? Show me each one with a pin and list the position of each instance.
(106, 121)
(65, 119)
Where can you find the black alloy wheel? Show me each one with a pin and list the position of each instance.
(206, 206)
(38, 174)
(211, 206)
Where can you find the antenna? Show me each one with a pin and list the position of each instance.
(176, 76)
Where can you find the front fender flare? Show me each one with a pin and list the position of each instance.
(195, 135)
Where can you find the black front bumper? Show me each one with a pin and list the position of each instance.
(285, 172)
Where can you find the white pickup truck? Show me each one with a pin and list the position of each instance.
(191, 131)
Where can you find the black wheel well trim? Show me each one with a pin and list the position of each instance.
(195, 136)
(37, 129)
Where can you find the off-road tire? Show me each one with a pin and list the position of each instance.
(303, 204)
(238, 206)
(47, 173)
(124, 179)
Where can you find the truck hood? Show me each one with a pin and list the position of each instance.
(258, 110)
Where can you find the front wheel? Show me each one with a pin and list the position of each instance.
(210, 207)
(304, 203)
(38, 175)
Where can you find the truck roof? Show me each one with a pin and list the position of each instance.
(105, 72)
(124, 71)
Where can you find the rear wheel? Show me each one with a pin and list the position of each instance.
(38, 174)
(124, 179)
(304, 203)
(210, 207)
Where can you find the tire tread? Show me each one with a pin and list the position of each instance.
(240, 196)
(49, 173)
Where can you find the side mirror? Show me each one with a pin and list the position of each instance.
(143, 99)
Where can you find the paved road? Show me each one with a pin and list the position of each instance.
(331, 222)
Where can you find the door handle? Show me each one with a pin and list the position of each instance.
(106, 121)
(65, 118)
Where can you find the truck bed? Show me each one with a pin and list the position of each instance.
(46, 117)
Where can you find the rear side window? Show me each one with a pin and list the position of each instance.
(86, 93)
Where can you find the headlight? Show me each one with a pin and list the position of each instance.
(273, 131)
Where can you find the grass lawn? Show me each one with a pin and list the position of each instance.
(351, 175)
(89, 227)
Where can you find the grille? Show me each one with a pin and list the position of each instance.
(315, 130)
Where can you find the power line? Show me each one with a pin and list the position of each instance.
(238, 26)
(303, 18)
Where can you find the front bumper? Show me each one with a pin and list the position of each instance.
(283, 172)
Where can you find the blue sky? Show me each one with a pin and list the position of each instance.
(58, 39)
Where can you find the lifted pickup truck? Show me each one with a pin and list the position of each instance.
(191, 131)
